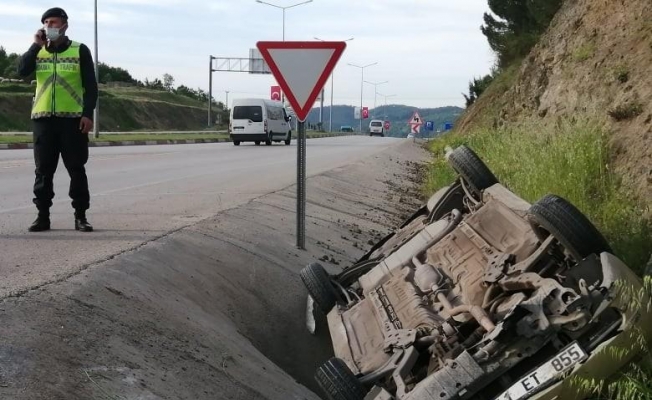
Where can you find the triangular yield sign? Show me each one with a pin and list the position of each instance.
(301, 69)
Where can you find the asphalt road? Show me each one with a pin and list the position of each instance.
(143, 193)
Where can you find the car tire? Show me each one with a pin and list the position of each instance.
(553, 215)
(288, 138)
(236, 143)
(470, 167)
(268, 142)
(319, 286)
(257, 142)
(338, 382)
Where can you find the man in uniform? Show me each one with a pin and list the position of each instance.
(62, 114)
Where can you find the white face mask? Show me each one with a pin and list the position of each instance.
(52, 34)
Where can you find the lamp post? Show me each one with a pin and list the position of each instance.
(386, 96)
(330, 113)
(376, 84)
(362, 67)
(283, 8)
(96, 117)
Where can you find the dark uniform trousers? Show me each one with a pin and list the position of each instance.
(54, 136)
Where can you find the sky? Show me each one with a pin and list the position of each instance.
(427, 50)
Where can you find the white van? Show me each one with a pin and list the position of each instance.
(259, 120)
(376, 127)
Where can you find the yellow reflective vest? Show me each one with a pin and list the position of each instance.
(59, 89)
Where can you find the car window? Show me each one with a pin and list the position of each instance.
(254, 113)
(376, 124)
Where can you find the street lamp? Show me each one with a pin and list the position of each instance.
(96, 121)
(386, 96)
(330, 114)
(362, 67)
(284, 8)
(375, 90)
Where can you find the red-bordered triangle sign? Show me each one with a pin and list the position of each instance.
(301, 69)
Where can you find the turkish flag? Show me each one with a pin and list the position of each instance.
(365, 112)
(275, 93)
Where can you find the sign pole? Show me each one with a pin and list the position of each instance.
(301, 186)
(312, 62)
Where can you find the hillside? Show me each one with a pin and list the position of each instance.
(137, 108)
(122, 109)
(397, 114)
(592, 64)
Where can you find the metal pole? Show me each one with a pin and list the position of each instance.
(210, 89)
(282, 92)
(321, 109)
(361, 89)
(96, 112)
(330, 113)
(227, 100)
(301, 186)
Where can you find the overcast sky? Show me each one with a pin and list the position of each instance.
(428, 50)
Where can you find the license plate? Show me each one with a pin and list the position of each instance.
(551, 370)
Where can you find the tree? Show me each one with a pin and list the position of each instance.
(515, 26)
(168, 82)
(477, 87)
(156, 84)
(9, 65)
(107, 73)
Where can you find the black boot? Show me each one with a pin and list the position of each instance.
(81, 223)
(41, 223)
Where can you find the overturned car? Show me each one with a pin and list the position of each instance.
(480, 295)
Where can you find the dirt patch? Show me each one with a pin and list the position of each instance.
(215, 310)
(593, 63)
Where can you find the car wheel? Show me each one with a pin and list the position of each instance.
(319, 286)
(257, 142)
(268, 142)
(470, 167)
(338, 382)
(236, 143)
(553, 215)
(288, 138)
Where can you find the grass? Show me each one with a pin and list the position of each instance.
(584, 52)
(570, 160)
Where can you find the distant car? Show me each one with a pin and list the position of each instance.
(480, 296)
(346, 128)
(259, 120)
(376, 127)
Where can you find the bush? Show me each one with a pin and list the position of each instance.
(626, 111)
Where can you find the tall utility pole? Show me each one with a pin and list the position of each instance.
(226, 105)
(330, 113)
(362, 67)
(210, 90)
(283, 8)
(96, 116)
(386, 96)
(376, 84)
